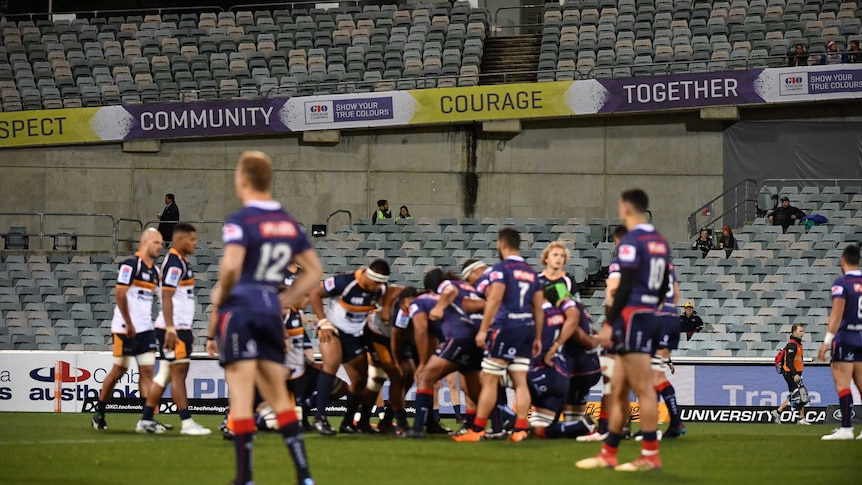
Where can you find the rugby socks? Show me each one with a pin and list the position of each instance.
(567, 429)
(457, 412)
(149, 413)
(845, 402)
(424, 403)
(649, 445)
(185, 414)
(496, 420)
(401, 418)
(469, 417)
(668, 393)
(435, 416)
(612, 444)
(100, 406)
(324, 393)
(603, 422)
(479, 424)
(288, 426)
(243, 442)
(353, 402)
(521, 425)
(506, 413)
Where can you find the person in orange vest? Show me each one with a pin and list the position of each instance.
(792, 372)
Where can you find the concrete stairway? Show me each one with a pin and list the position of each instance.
(515, 54)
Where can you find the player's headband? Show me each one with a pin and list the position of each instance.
(473, 267)
(375, 276)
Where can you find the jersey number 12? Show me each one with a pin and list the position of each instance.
(273, 261)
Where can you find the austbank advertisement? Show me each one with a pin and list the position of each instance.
(706, 392)
(438, 106)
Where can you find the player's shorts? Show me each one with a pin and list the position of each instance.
(847, 347)
(579, 388)
(670, 330)
(509, 343)
(548, 388)
(640, 331)
(243, 335)
(294, 358)
(183, 347)
(461, 352)
(352, 346)
(379, 348)
(141, 343)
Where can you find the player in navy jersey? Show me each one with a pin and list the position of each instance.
(511, 334)
(668, 317)
(132, 325)
(563, 376)
(844, 338)
(644, 259)
(457, 350)
(354, 296)
(555, 256)
(260, 240)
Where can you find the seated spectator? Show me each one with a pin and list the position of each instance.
(797, 57)
(689, 321)
(403, 214)
(832, 55)
(703, 242)
(727, 241)
(853, 56)
(785, 215)
(382, 212)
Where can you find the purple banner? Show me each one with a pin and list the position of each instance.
(834, 81)
(253, 117)
(690, 90)
(348, 110)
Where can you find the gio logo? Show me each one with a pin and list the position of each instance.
(319, 108)
(793, 80)
(46, 374)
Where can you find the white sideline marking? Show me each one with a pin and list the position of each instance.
(82, 441)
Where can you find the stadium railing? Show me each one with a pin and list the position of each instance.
(734, 207)
(47, 219)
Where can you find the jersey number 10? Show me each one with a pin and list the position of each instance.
(273, 261)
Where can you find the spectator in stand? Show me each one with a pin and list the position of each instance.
(403, 213)
(727, 241)
(703, 242)
(170, 213)
(853, 56)
(785, 215)
(382, 212)
(798, 57)
(832, 55)
(690, 322)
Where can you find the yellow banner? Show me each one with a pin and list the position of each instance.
(498, 102)
(593, 409)
(47, 127)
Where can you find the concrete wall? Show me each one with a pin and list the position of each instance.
(552, 169)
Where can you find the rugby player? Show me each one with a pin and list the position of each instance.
(566, 371)
(644, 258)
(555, 257)
(844, 339)
(514, 316)
(340, 332)
(132, 325)
(174, 333)
(261, 239)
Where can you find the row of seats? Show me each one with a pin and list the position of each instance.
(262, 54)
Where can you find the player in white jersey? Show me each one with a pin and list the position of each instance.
(174, 333)
(132, 325)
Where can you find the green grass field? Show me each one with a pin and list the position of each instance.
(63, 449)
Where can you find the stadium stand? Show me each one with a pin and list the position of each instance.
(243, 55)
(748, 301)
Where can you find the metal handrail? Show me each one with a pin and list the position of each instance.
(117, 231)
(97, 12)
(156, 222)
(495, 25)
(694, 226)
(273, 6)
(349, 217)
(42, 234)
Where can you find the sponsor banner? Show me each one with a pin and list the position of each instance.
(47, 127)
(496, 102)
(747, 414)
(593, 409)
(166, 406)
(429, 106)
(833, 414)
(759, 385)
